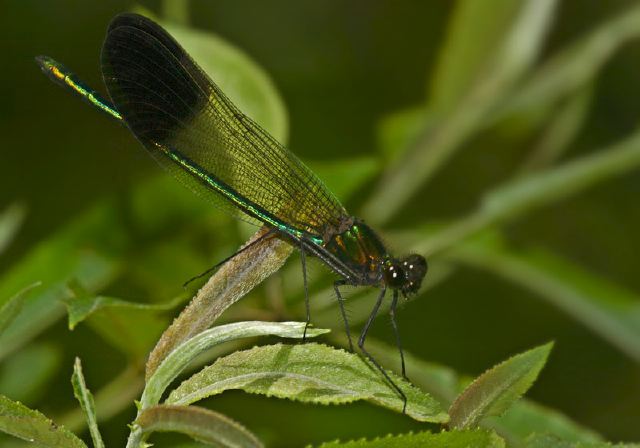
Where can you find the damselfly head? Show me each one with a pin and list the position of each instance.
(406, 274)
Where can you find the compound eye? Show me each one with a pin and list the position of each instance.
(394, 276)
(415, 265)
(415, 268)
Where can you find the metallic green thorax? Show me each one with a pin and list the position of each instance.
(360, 249)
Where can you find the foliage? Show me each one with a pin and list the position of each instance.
(492, 72)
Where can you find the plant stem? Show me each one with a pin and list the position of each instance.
(523, 196)
(437, 144)
(564, 126)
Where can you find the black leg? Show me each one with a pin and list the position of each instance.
(392, 313)
(336, 287)
(363, 336)
(306, 291)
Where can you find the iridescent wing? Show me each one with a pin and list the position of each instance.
(191, 128)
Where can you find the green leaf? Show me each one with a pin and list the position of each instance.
(118, 394)
(131, 328)
(573, 67)
(344, 176)
(311, 373)
(526, 417)
(493, 392)
(522, 419)
(604, 307)
(10, 222)
(198, 423)
(445, 439)
(10, 310)
(229, 284)
(523, 195)
(474, 31)
(399, 130)
(442, 382)
(82, 304)
(176, 361)
(27, 424)
(552, 441)
(85, 249)
(438, 142)
(519, 196)
(564, 125)
(26, 374)
(84, 397)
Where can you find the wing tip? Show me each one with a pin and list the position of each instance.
(130, 19)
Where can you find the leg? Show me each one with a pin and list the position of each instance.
(363, 336)
(306, 292)
(392, 313)
(336, 286)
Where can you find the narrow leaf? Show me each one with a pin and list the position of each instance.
(176, 361)
(198, 423)
(311, 373)
(439, 142)
(110, 399)
(573, 67)
(520, 196)
(85, 249)
(604, 307)
(474, 31)
(453, 439)
(564, 125)
(84, 397)
(27, 424)
(229, 284)
(497, 389)
(523, 418)
(526, 417)
(82, 304)
(12, 308)
(129, 327)
(516, 197)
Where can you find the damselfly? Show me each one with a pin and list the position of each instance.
(192, 129)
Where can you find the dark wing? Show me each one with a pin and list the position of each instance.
(191, 128)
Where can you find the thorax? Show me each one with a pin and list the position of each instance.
(358, 247)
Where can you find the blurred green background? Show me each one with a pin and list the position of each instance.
(342, 68)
